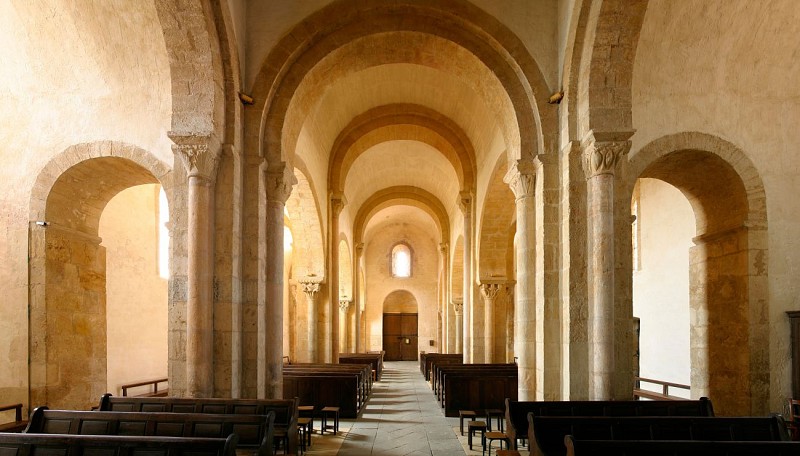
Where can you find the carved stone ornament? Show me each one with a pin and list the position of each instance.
(310, 286)
(602, 152)
(490, 290)
(521, 178)
(458, 305)
(343, 305)
(338, 203)
(465, 202)
(196, 153)
(359, 248)
(279, 180)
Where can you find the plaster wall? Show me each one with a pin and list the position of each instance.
(71, 73)
(707, 78)
(661, 286)
(136, 297)
(422, 283)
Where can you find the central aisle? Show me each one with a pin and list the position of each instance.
(402, 418)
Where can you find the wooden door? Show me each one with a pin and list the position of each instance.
(400, 339)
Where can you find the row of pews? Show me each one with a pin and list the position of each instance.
(160, 426)
(674, 428)
(459, 386)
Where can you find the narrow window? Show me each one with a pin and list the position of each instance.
(401, 261)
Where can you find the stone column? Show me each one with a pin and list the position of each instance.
(601, 154)
(458, 305)
(465, 203)
(311, 289)
(343, 305)
(357, 295)
(489, 290)
(337, 204)
(510, 322)
(521, 178)
(200, 157)
(278, 182)
(443, 345)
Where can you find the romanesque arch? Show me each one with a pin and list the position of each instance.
(67, 276)
(728, 271)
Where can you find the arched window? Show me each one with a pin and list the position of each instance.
(401, 261)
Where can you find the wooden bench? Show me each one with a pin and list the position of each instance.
(255, 432)
(18, 424)
(426, 360)
(517, 412)
(14, 444)
(286, 412)
(480, 392)
(373, 359)
(576, 447)
(476, 370)
(546, 433)
(325, 390)
(151, 393)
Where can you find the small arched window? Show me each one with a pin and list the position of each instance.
(401, 261)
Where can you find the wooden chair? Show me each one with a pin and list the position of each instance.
(793, 419)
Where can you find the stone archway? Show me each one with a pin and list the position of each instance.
(728, 271)
(67, 272)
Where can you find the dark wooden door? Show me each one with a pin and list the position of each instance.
(400, 337)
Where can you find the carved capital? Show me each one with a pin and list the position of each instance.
(602, 152)
(338, 202)
(278, 182)
(521, 178)
(465, 202)
(458, 305)
(443, 247)
(198, 153)
(344, 304)
(359, 248)
(311, 286)
(489, 290)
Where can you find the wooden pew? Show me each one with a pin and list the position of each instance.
(14, 444)
(441, 371)
(286, 412)
(374, 359)
(575, 447)
(517, 412)
(480, 390)
(343, 398)
(18, 424)
(426, 360)
(255, 432)
(546, 433)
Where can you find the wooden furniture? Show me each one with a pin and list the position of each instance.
(577, 447)
(18, 424)
(472, 428)
(286, 413)
(479, 388)
(546, 433)
(491, 436)
(333, 413)
(495, 413)
(152, 393)
(373, 359)
(793, 419)
(794, 342)
(517, 412)
(114, 445)
(346, 386)
(468, 414)
(255, 432)
(426, 360)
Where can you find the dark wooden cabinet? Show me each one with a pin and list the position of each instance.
(794, 321)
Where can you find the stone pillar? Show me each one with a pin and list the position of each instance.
(278, 181)
(357, 295)
(521, 178)
(465, 203)
(311, 289)
(445, 314)
(489, 290)
(510, 355)
(458, 305)
(343, 305)
(601, 154)
(200, 157)
(337, 204)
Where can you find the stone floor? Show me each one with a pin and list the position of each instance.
(400, 418)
